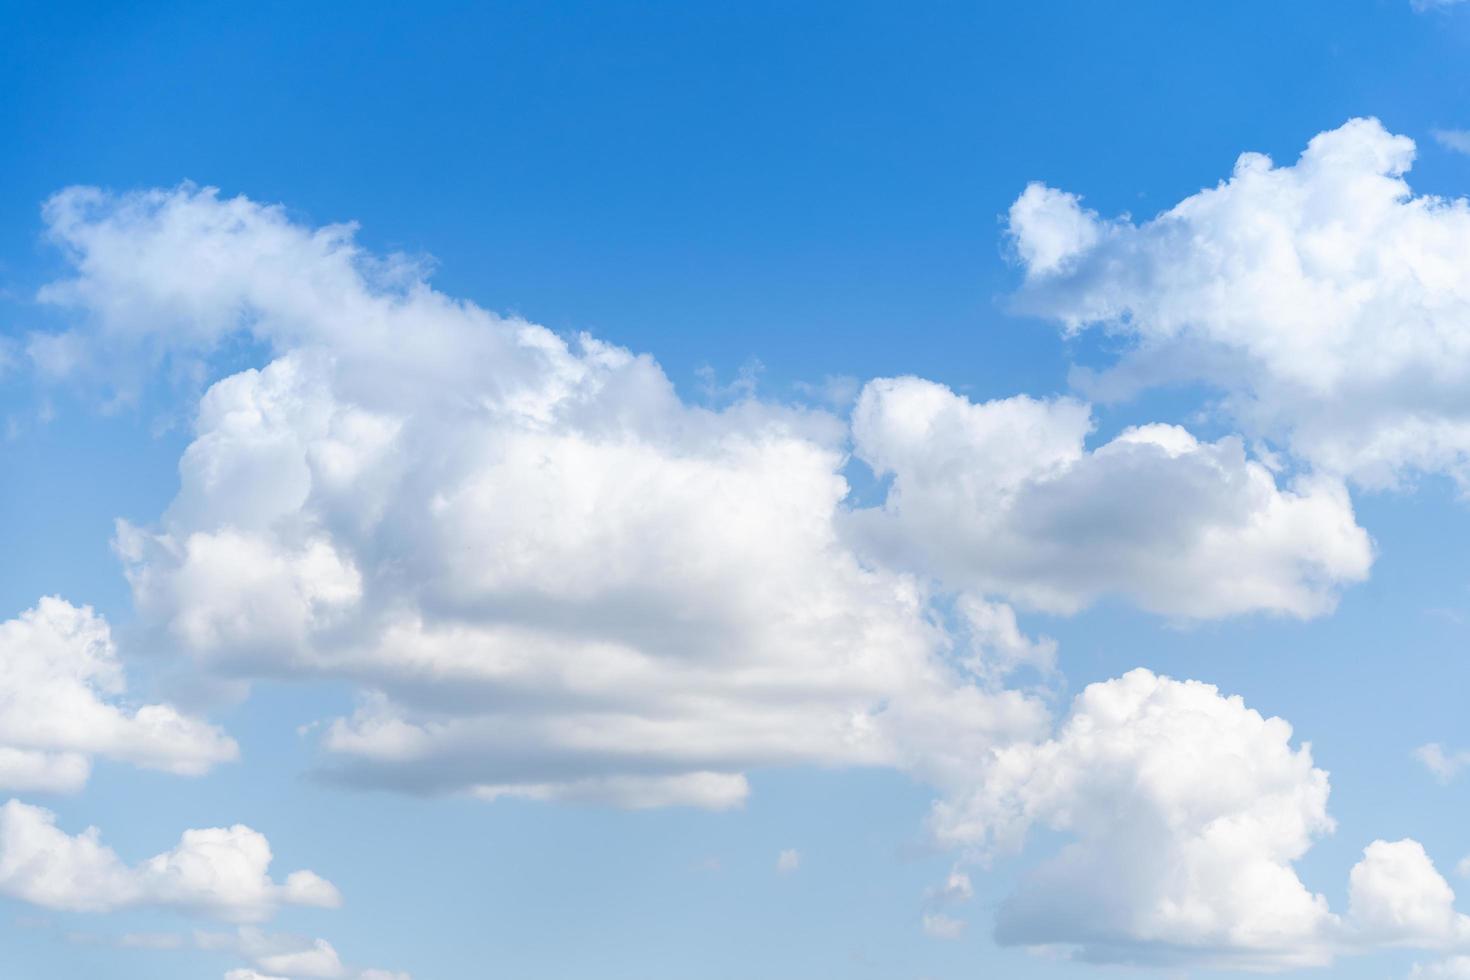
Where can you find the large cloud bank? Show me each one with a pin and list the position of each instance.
(550, 576)
(553, 577)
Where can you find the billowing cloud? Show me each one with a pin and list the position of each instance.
(62, 703)
(550, 577)
(1003, 497)
(1327, 302)
(1186, 810)
(1396, 897)
(219, 872)
(553, 578)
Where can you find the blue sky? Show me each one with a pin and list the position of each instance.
(927, 396)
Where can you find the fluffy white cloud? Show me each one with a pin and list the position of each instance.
(1330, 304)
(553, 577)
(62, 703)
(556, 579)
(1186, 809)
(279, 956)
(217, 872)
(1396, 897)
(788, 861)
(1003, 497)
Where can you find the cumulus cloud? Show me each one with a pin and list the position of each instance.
(788, 861)
(551, 576)
(555, 579)
(1396, 897)
(1003, 497)
(1186, 811)
(62, 703)
(218, 872)
(288, 957)
(1324, 299)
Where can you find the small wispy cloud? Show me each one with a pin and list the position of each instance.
(1444, 765)
(788, 861)
(1423, 5)
(956, 889)
(940, 926)
(1457, 140)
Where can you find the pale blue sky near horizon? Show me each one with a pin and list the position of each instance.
(817, 189)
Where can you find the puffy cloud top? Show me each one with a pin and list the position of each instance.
(61, 690)
(219, 872)
(1002, 497)
(551, 577)
(1329, 302)
(1186, 810)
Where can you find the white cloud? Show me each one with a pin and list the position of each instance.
(1324, 299)
(1186, 809)
(1185, 812)
(1450, 968)
(282, 954)
(62, 703)
(1003, 497)
(1396, 897)
(1445, 765)
(788, 861)
(941, 926)
(217, 872)
(1457, 140)
(552, 577)
(956, 889)
(317, 960)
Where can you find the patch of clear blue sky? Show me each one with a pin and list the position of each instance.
(816, 186)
